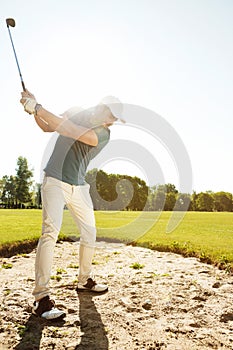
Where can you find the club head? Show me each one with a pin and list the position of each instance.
(10, 22)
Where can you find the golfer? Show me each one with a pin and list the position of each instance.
(81, 136)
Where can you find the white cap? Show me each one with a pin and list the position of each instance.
(115, 106)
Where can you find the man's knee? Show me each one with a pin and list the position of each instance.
(88, 237)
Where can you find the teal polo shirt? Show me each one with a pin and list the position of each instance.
(70, 158)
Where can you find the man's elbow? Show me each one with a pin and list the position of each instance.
(94, 143)
(93, 140)
(90, 138)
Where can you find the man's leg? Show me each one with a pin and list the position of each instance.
(81, 208)
(85, 263)
(53, 204)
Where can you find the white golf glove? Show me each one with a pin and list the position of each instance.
(29, 102)
(29, 105)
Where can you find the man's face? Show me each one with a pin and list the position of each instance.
(110, 119)
(105, 115)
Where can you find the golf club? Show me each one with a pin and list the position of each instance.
(11, 23)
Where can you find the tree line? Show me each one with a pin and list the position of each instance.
(19, 190)
(113, 192)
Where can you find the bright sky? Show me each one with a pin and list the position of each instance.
(173, 57)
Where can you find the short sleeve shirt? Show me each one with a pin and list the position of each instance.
(70, 158)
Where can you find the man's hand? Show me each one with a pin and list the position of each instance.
(29, 102)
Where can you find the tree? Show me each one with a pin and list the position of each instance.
(223, 201)
(183, 202)
(163, 197)
(170, 201)
(205, 202)
(140, 193)
(159, 200)
(193, 205)
(170, 188)
(23, 182)
(151, 198)
(8, 191)
(116, 192)
(38, 199)
(1, 187)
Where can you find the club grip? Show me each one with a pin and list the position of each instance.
(24, 89)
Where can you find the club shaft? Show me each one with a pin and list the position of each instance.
(20, 74)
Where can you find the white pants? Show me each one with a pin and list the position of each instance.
(56, 194)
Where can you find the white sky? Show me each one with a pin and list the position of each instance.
(173, 57)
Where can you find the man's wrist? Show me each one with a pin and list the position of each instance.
(37, 108)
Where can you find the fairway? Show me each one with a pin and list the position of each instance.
(206, 235)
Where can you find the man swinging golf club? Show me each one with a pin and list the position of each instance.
(82, 135)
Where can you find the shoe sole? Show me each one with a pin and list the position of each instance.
(61, 317)
(82, 290)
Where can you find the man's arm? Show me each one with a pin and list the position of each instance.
(49, 122)
(65, 127)
(42, 124)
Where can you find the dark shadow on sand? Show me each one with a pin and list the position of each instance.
(31, 334)
(94, 334)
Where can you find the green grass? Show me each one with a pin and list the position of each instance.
(18, 225)
(208, 236)
(136, 266)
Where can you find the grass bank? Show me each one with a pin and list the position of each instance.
(208, 236)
